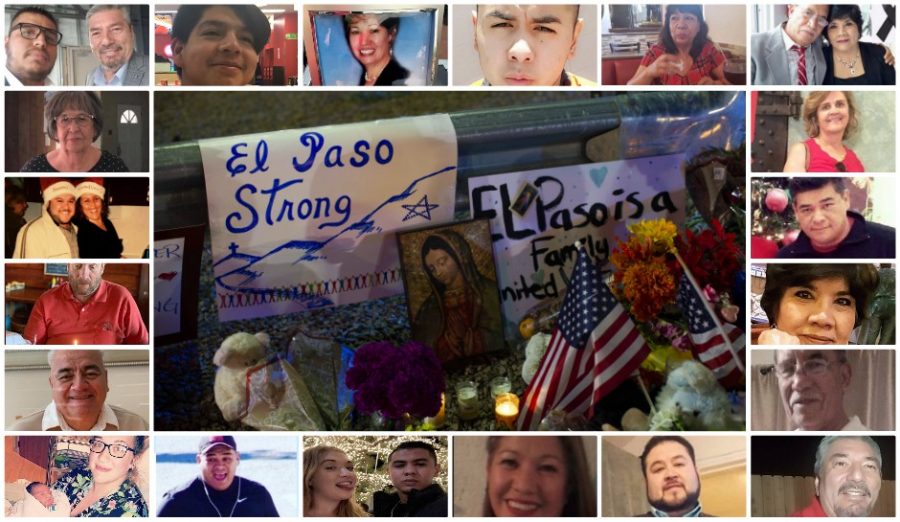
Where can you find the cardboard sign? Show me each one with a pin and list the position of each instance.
(301, 219)
(534, 234)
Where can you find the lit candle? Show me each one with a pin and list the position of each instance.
(438, 420)
(467, 400)
(506, 409)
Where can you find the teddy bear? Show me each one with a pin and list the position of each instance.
(239, 353)
(692, 399)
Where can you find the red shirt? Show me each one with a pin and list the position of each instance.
(110, 316)
(705, 63)
(814, 509)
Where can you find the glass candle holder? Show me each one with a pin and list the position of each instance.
(506, 409)
(499, 386)
(467, 400)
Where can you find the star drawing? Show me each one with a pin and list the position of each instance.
(421, 209)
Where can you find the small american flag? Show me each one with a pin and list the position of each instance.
(709, 344)
(594, 347)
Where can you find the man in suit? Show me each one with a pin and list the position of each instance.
(791, 54)
(671, 478)
(112, 42)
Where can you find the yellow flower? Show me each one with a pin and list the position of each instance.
(658, 232)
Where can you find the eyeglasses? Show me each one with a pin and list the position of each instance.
(811, 14)
(809, 367)
(82, 120)
(32, 31)
(117, 449)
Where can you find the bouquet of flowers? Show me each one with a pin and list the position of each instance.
(396, 381)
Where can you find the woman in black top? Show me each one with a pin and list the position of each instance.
(849, 61)
(97, 236)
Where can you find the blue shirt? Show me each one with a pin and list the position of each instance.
(100, 79)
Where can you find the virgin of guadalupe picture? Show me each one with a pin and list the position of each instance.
(451, 289)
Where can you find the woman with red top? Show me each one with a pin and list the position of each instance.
(829, 118)
(684, 54)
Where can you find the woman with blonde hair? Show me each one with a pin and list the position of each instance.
(829, 118)
(329, 484)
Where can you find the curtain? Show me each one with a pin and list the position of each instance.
(870, 395)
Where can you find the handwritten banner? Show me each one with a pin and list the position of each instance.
(168, 256)
(302, 219)
(534, 247)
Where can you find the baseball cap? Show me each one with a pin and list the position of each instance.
(207, 443)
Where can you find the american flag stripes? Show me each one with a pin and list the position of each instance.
(594, 347)
(709, 344)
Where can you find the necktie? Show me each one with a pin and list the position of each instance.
(801, 63)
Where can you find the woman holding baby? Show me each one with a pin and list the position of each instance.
(684, 54)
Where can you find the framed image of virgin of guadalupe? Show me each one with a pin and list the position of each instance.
(451, 289)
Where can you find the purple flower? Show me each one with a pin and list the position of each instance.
(396, 380)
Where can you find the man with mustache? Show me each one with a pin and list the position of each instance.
(86, 310)
(412, 467)
(812, 385)
(31, 44)
(112, 42)
(848, 477)
(791, 54)
(218, 491)
(79, 383)
(671, 478)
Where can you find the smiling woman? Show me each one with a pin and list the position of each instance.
(816, 304)
(829, 118)
(371, 38)
(538, 477)
(74, 120)
(329, 483)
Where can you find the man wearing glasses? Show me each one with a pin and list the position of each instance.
(31, 47)
(78, 385)
(791, 54)
(812, 385)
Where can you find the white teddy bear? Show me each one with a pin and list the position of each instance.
(237, 354)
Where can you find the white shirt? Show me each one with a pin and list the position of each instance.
(13, 81)
(54, 421)
(794, 60)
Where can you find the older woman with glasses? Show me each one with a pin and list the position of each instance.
(105, 488)
(73, 120)
(829, 118)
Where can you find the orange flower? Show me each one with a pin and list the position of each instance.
(648, 286)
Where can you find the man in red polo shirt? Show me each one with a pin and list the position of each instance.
(86, 310)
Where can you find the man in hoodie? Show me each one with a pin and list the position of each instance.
(412, 467)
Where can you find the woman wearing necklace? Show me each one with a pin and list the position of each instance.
(849, 61)
(329, 484)
(829, 118)
(105, 488)
(371, 38)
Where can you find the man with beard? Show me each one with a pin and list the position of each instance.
(86, 310)
(52, 235)
(670, 475)
(112, 42)
(31, 44)
(848, 478)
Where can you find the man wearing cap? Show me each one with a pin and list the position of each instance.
(52, 235)
(86, 310)
(218, 45)
(218, 491)
(79, 384)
